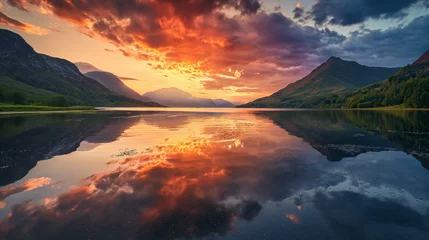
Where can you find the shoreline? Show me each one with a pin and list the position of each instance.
(18, 109)
(46, 112)
(77, 109)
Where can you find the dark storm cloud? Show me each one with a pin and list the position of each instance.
(391, 47)
(298, 13)
(339, 12)
(154, 201)
(281, 46)
(248, 210)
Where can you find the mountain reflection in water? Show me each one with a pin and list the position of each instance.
(243, 175)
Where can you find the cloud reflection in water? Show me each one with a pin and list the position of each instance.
(219, 175)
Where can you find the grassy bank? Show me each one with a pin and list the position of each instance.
(20, 108)
(396, 107)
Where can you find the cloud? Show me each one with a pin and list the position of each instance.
(391, 47)
(200, 38)
(298, 13)
(20, 4)
(25, 27)
(140, 201)
(129, 79)
(176, 190)
(203, 39)
(351, 12)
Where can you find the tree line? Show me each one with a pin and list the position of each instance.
(20, 98)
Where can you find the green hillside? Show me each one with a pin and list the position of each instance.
(408, 88)
(37, 95)
(333, 76)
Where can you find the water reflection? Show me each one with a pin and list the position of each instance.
(341, 134)
(26, 140)
(212, 175)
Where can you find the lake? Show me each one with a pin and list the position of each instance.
(215, 174)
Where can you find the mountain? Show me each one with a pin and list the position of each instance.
(114, 84)
(423, 59)
(86, 67)
(333, 76)
(174, 97)
(223, 103)
(40, 77)
(407, 88)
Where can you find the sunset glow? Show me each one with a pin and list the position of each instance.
(175, 173)
(236, 50)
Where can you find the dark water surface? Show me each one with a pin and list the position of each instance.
(215, 175)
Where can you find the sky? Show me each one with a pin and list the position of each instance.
(239, 50)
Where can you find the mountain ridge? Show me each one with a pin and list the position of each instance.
(335, 75)
(21, 64)
(85, 67)
(407, 88)
(175, 97)
(114, 84)
(422, 59)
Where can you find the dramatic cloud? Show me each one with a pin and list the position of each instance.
(202, 39)
(141, 197)
(236, 45)
(391, 47)
(277, 48)
(338, 12)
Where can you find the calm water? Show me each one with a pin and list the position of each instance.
(231, 174)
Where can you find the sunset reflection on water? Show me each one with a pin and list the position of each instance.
(173, 175)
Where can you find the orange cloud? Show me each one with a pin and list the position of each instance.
(20, 4)
(199, 39)
(26, 27)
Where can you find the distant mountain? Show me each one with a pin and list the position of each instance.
(223, 103)
(85, 67)
(39, 76)
(114, 84)
(332, 77)
(174, 97)
(407, 88)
